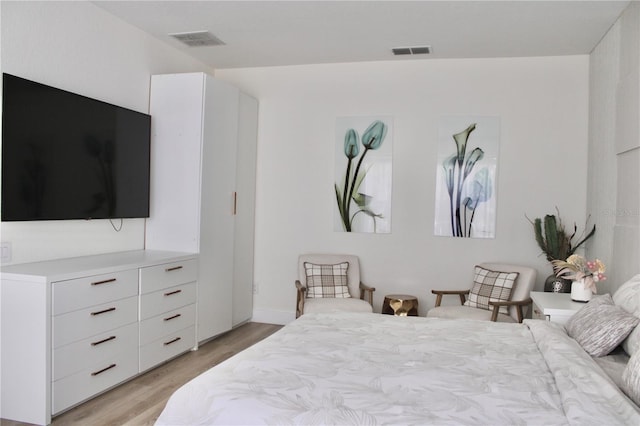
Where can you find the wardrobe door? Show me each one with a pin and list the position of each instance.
(245, 209)
(220, 134)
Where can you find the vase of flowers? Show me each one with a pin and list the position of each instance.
(584, 273)
(580, 292)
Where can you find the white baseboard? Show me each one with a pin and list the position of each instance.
(270, 316)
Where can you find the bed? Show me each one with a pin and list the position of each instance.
(361, 368)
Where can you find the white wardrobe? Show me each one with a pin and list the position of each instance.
(203, 163)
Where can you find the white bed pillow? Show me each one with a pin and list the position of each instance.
(491, 286)
(327, 281)
(600, 326)
(628, 298)
(631, 378)
(614, 365)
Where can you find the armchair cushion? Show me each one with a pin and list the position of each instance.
(326, 281)
(491, 286)
(327, 305)
(466, 312)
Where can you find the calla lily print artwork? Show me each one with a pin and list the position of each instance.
(363, 175)
(466, 176)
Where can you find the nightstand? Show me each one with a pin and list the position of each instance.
(400, 305)
(554, 307)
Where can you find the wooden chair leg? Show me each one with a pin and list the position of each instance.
(519, 313)
(494, 314)
(438, 300)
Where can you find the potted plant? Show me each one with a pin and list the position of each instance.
(558, 244)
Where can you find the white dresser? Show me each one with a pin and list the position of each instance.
(72, 328)
(94, 335)
(167, 311)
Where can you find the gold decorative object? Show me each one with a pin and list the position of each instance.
(400, 305)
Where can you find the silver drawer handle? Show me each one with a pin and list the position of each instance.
(111, 280)
(99, 342)
(171, 293)
(104, 311)
(175, 268)
(95, 373)
(173, 317)
(172, 341)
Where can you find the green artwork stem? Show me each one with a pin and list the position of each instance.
(473, 213)
(345, 212)
(353, 185)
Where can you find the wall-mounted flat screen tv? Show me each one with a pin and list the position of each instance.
(67, 156)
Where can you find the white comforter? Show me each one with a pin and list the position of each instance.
(369, 369)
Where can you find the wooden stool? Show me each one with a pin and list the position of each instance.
(400, 305)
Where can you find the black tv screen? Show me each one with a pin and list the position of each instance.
(67, 156)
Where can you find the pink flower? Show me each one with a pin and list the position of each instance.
(578, 268)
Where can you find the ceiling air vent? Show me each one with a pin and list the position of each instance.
(416, 50)
(198, 38)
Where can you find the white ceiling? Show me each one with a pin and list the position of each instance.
(267, 33)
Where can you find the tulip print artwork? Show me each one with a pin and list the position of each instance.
(363, 175)
(465, 193)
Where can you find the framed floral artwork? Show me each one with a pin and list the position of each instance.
(363, 174)
(465, 205)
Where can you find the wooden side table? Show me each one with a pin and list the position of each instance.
(400, 305)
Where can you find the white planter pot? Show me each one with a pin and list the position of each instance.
(579, 293)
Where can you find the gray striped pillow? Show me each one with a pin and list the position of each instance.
(600, 326)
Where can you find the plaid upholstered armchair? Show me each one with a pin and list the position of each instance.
(330, 283)
(499, 292)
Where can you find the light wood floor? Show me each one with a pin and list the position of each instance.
(140, 401)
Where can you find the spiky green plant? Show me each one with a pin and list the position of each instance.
(554, 241)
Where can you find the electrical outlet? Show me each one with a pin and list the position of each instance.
(5, 252)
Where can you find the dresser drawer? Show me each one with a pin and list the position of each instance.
(538, 314)
(76, 294)
(162, 325)
(78, 325)
(152, 304)
(100, 376)
(158, 277)
(81, 355)
(167, 347)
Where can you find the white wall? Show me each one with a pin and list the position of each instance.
(542, 103)
(78, 47)
(543, 107)
(614, 149)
